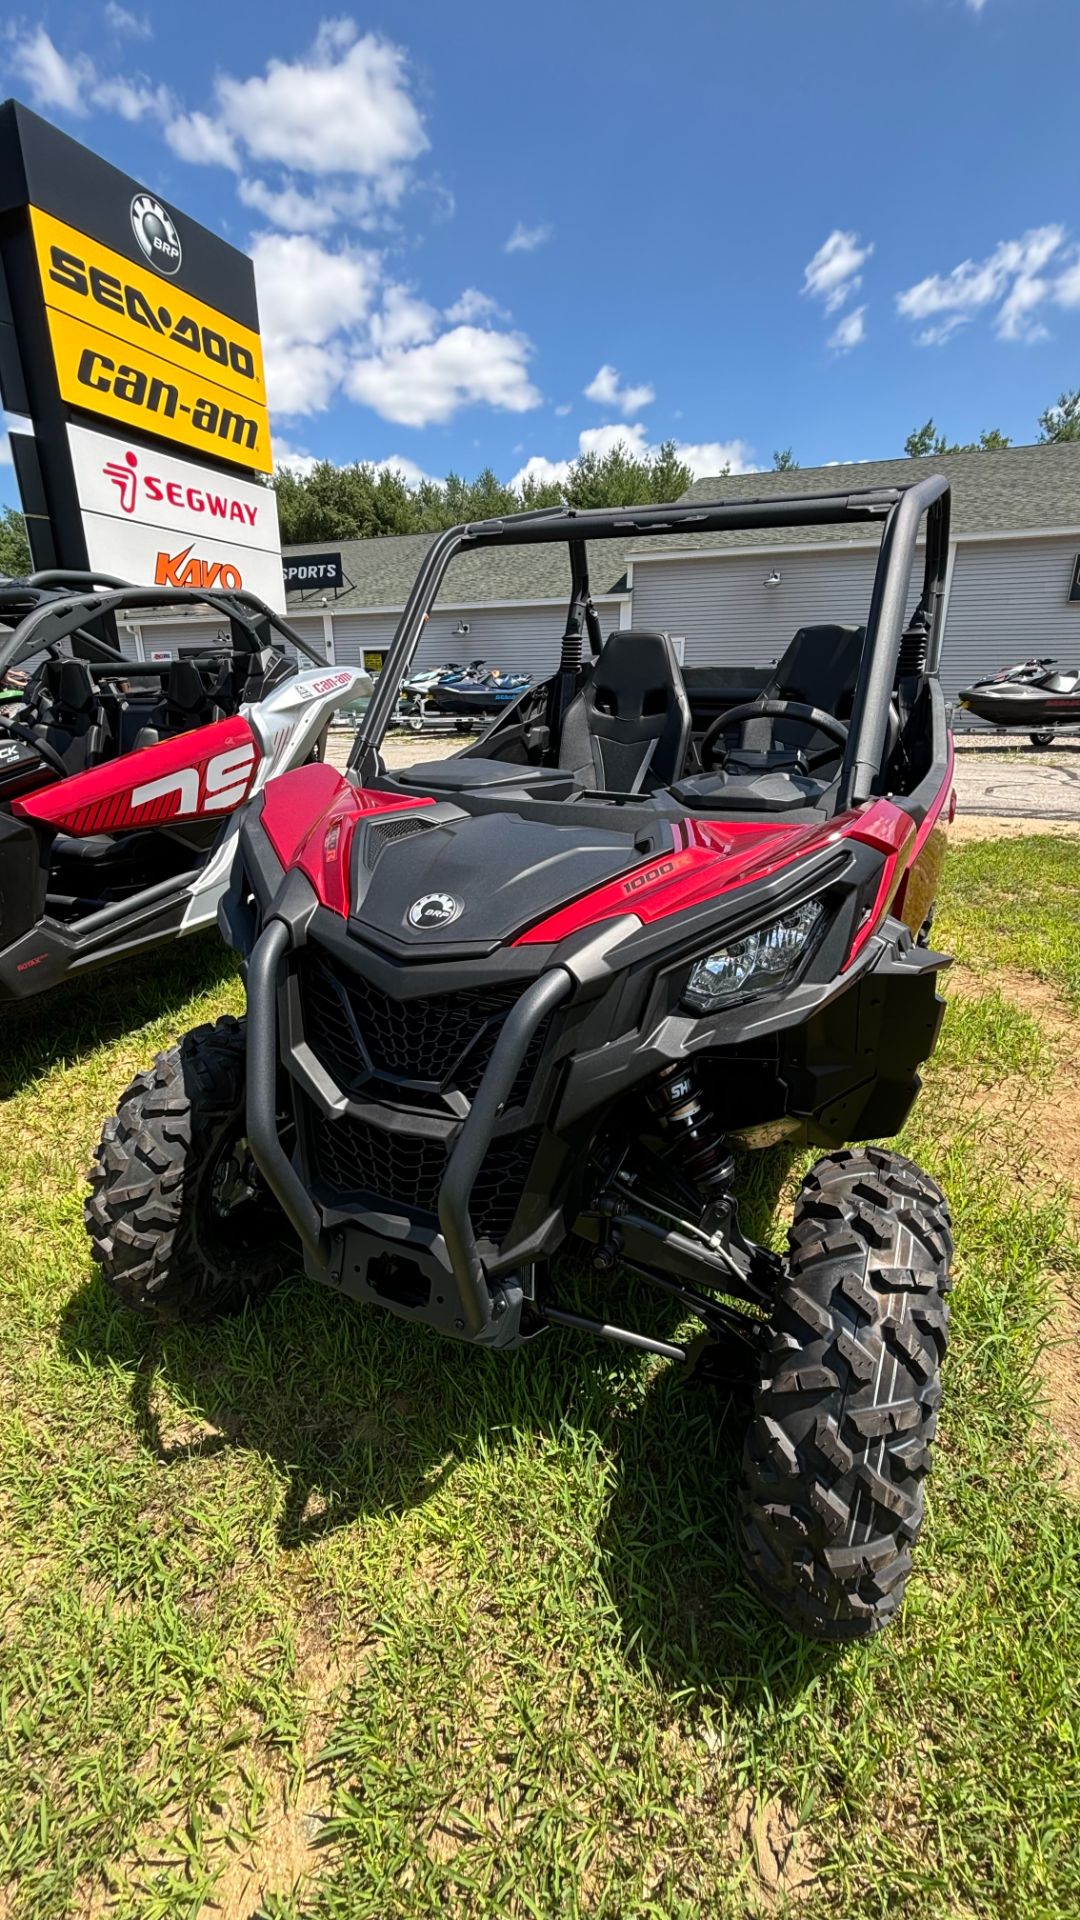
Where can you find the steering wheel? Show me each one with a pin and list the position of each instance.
(48, 754)
(814, 718)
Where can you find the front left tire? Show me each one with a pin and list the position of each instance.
(179, 1219)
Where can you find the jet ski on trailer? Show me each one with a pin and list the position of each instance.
(1038, 697)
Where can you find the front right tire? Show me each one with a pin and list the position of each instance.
(179, 1219)
(839, 1444)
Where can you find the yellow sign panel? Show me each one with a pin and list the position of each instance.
(91, 283)
(97, 371)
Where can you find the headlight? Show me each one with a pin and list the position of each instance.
(755, 964)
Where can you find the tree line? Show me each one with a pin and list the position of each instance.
(356, 502)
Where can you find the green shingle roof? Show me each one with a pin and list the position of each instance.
(380, 572)
(1018, 489)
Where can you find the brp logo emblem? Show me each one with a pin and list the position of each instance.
(434, 910)
(155, 231)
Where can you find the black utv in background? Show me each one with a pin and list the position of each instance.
(521, 1003)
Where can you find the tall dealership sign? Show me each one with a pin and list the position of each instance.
(129, 335)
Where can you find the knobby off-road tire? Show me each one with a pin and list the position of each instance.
(839, 1443)
(178, 1218)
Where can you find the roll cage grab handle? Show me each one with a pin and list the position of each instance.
(901, 509)
(60, 614)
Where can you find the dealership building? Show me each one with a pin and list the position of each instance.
(1013, 582)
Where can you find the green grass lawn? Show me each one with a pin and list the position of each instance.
(313, 1615)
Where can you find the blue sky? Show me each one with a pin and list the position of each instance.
(492, 235)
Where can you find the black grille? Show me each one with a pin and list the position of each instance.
(383, 832)
(353, 1160)
(442, 1042)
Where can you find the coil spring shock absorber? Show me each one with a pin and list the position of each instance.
(692, 1139)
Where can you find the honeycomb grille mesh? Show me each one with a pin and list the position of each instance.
(354, 1160)
(442, 1042)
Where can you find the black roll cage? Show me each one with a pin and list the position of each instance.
(56, 605)
(900, 509)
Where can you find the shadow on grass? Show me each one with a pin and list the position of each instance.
(362, 1414)
(94, 1009)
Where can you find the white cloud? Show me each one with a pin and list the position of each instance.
(202, 141)
(405, 321)
(601, 440)
(712, 456)
(1066, 289)
(308, 291)
(52, 80)
(297, 461)
(73, 85)
(561, 412)
(526, 239)
(135, 26)
(342, 108)
(420, 385)
(133, 99)
(834, 272)
(543, 472)
(293, 459)
(702, 456)
(605, 389)
(412, 475)
(849, 332)
(1011, 281)
(287, 206)
(976, 6)
(302, 376)
(943, 330)
(311, 301)
(472, 305)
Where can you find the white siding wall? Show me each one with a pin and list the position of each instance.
(1009, 599)
(358, 633)
(182, 635)
(515, 639)
(310, 628)
(730, 618)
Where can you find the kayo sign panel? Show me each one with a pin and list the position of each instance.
(148, 516)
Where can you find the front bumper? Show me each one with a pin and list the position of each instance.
(437, 1277)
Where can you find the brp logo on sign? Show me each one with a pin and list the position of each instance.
(434, 910)
(155, 231)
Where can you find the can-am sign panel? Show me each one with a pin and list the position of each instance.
(134, 388)
(150, 517)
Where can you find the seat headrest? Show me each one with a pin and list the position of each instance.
(70, 684)
(184, 686)
(634, 674)
(819, 665)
